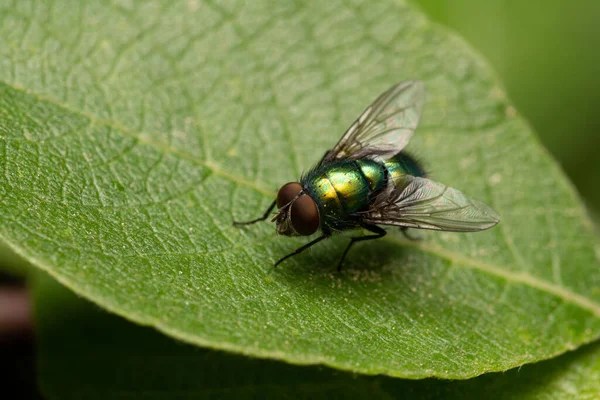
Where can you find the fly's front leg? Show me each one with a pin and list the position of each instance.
(378, 233)
(265, 216)
(301, 249)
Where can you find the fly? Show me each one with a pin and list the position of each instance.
(367, 180)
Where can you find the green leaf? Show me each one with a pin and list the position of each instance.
(133, 134)
(87, 353)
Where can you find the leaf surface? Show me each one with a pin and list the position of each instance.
(132, 134)
(87, 353)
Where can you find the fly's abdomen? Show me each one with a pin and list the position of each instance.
(374, 173)
(403, 164)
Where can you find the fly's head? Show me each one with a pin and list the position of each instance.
(298, 213)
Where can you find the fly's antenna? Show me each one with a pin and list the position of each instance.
(285, 206)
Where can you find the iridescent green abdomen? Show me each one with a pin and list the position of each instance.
(403, 164)
(343, 188)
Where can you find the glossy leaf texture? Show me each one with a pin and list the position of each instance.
(102, 356)
(132, 134)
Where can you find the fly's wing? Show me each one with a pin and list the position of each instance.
(422, 203)
(385, 127)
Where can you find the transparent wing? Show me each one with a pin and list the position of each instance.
(422, 203)
(386, 126)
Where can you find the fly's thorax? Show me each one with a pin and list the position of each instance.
(326, 197)
(350, 185)
(344, 188)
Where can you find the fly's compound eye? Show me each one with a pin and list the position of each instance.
(305, 215)
(287, 193)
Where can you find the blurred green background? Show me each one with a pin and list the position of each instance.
(547, 54)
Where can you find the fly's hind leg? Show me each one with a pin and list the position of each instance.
(378, 233)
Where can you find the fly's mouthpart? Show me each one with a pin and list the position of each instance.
(286, 228)
(284, 224)
(283, 218)
(282, 227)
(282, 214)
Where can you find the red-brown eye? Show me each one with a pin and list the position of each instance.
(287, 193)
(305, 215)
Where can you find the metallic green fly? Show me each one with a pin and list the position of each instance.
(367, 180)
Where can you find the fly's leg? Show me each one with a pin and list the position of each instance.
(265, 216)
(405, 231)
(378, 233)
(301, 249)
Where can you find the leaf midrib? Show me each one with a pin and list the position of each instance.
(426, 247)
